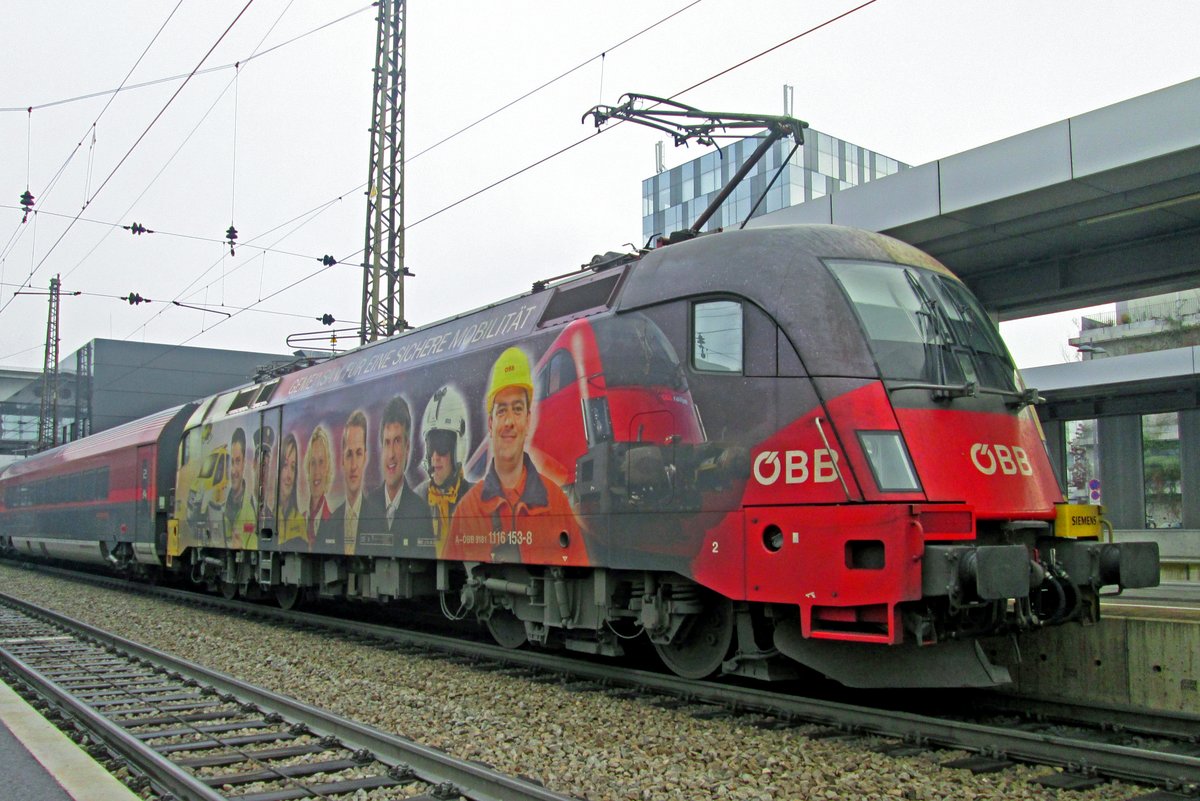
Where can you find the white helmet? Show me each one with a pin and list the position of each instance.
(446, 411)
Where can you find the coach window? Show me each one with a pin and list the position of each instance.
(717, 336)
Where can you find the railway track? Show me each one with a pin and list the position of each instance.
(1143, 749)
(192, 733)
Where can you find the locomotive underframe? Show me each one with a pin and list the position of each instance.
(969, 590)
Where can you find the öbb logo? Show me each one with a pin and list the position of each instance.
(988, 458)
(795, 468)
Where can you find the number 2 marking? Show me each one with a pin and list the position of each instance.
(714, 547)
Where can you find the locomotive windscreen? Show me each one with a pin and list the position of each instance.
(925, 326)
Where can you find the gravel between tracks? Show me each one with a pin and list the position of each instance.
(582, 744)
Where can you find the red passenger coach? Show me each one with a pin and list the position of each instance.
(101, 500)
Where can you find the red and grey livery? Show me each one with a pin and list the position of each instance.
(801, 445)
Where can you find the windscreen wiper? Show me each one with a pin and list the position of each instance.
(941, 388)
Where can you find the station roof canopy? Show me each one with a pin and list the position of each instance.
(1100, 207)
(1137, 383)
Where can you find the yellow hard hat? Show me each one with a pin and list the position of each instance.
(510, 370)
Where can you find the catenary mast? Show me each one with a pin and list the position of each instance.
(383, 254)
(48, 417)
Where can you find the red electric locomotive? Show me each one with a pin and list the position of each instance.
(823, 457)
(760, 449)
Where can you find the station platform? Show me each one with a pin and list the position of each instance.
(39, 763)
(1143, 654)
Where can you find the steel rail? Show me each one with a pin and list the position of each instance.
(1115, 761)
(472, 780)
(161, 771)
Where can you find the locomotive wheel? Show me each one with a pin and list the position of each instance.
(506, 629)
(701, 645)
(228, 590)
(287, 595)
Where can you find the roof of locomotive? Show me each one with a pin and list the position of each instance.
(746, 262)
(781, 269)
(760, 263)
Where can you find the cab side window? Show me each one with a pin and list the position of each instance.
(717, 334)
(191, 446)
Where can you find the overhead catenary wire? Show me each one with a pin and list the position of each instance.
(193, 237)
(214, 307)
(674, 96)
(579, 142)
(507, 105)
(116, 226)
(591, 136)
(172, 158)
(448, 138)
(134, 146)
(237, 312)
(554, 80)
(254, 55)
(183, 75)
(92, 128)
(521, 97)
(563, 150)
(311, 215)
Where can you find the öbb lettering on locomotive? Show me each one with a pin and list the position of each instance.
(764, 450)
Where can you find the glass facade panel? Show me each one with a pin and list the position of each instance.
(1083, 461)
(1162, 470)
(817, 187)
(774, 200)
(673, 219)
(826, 155)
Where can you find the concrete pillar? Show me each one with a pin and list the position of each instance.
(1122, 481)
(1189, 455)
(1056, 447)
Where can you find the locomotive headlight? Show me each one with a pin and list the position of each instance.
(889, 461)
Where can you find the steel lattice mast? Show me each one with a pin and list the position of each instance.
(48, 417)
(383, 254)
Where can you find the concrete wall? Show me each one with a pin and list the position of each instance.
(1140, 663)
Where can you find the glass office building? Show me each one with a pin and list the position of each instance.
(673, 199)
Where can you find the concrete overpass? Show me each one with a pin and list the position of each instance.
(1100, 207)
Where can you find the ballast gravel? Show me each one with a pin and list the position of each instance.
(584, 744)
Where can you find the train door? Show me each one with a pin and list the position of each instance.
(143, 515)
(266, 476)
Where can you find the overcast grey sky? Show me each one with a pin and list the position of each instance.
(278, 145)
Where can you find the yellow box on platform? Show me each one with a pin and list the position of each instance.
(1078, 520)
